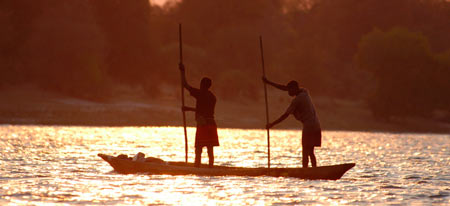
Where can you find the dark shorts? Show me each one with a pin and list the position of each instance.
(312, 137)
(206, 135)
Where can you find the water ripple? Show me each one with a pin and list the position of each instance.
(58, 165)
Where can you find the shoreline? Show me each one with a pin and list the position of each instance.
(299, 129)
(31, 106)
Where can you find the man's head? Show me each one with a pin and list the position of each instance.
(205, 84)
(293, 88)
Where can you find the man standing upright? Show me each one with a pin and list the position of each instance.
(206, 134)
(303, 110)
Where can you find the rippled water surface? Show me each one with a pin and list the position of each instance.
(52, 165)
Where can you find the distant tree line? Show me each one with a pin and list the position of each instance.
(408, 78)
(388, 52)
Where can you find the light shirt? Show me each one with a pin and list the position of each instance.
(303, 110)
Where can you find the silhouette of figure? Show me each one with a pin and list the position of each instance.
(303, 110)
(206, 134)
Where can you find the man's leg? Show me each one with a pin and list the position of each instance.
(305, 159)
(198, 156)
(313, 157)
(211, 156)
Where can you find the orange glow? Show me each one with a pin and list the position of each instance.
(158, 2)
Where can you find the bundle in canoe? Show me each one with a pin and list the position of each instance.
(127, 166)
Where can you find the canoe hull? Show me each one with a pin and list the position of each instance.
(125, 166)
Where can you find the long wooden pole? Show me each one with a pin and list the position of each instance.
(182, 95)
(267, 104)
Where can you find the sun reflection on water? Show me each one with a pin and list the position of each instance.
(59, 165)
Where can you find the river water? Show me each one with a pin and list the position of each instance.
(58, 165)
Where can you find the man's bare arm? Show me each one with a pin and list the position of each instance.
(183, 77)
(280, 119)
(278, 86)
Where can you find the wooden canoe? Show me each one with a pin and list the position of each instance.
(125, 166)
